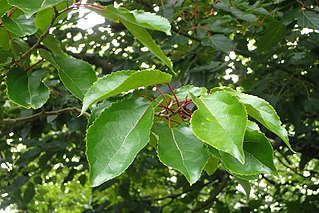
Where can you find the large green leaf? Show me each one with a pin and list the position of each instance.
(122, 81)
(19, 26)
(27, 90)
(135, 23)
(116, 137)
(263, 112)
(221, 121)
(274, 32)
(180, 149)
(77, 76)
(29, 7)
(258, 156)
(308, 19)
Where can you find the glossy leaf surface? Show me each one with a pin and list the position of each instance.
(221, 121)
(183, 92)
(77, 76)
(263, 112)
(27, 90)
(19, 26)
(116, 137)
(122, 81)
(29, 7)
(258, 155)
(181, 149)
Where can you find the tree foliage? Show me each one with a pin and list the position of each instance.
(178, 104)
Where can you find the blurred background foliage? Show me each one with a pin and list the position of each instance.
(266, 48)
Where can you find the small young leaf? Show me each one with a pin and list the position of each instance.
(53, 44)
(183, 92)
(245, 184)
(179, 148)
(77, 76)
(19, 26)
(263, 112)
(122, 81)
(27, 90)
(116, 137)
(221, 121)
(211, 165)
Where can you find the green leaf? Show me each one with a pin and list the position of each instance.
(137, 27)
(179, 148)
(308, 19)
(27, 90)
(258, 155)
(263, 112)
(218, 41)
(245, 184)
(183, 92)
(19, 26)
(4, 39)
(53, 44)
(145, 38)
(29, 7)
(211, 165)
(221, 121)
(4, 7)
(152, 21)
(77, 76)
(122, 81)
(43, 19)
(116, 137)
(274, 33)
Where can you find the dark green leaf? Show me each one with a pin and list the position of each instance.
(77, 76)
(220, 42)
(308, 19)
(27, 90)
(19, 26)
(211, 165)
(274, 33)
(116, 137)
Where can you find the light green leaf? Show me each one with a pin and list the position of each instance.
(19, 26)
(183, 92)
(43, 19)
(179, 148)
(116, 137)
(275, 31)
(122, 81)
(29, 7)
(152, 21)
(211, 165)
(308, 19)
(77, 76)
(4, 7)
(137, 27)
(27, 90)
(221, 121)
(263, 112)
(258, 155)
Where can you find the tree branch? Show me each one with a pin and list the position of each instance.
(211, 199)
(43, 113)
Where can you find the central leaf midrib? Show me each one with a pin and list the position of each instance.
(138, 120)
(180, 151)
(232, 139)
